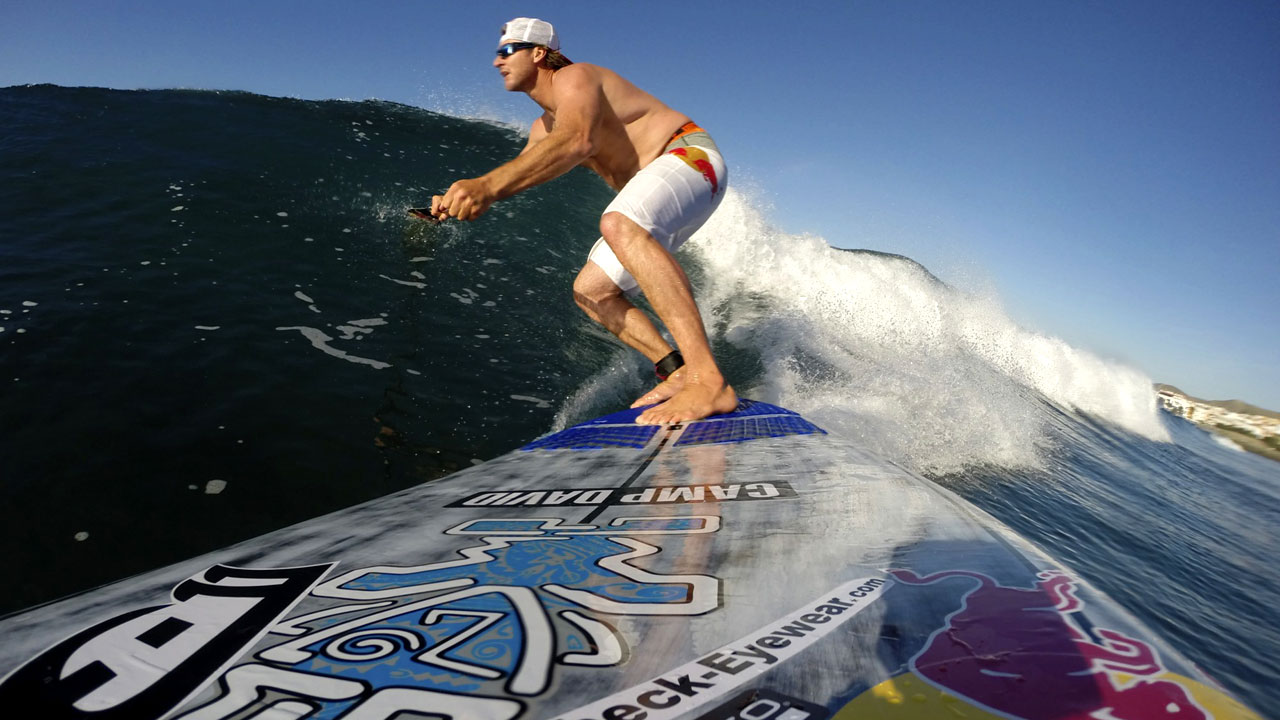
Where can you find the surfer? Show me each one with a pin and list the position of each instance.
(669, 176)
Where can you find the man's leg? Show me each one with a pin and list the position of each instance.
(704, 391)
(603, 301)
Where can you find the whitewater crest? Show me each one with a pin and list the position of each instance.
(875, 348)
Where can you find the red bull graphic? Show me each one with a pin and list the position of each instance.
(696, 158)
(1029, 653)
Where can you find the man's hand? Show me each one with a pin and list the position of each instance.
(464, 200)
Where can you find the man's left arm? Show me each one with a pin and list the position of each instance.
(578, 106)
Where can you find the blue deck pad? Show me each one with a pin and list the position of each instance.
(581, 437)
(742, 429)
(752, 420)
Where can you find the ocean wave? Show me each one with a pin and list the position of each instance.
(879, 349)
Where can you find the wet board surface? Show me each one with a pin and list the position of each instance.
(747, 566)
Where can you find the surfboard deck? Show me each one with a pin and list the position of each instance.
(745, 566)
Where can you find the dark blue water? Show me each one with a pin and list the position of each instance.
(204, 291)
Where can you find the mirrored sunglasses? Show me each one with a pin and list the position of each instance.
(512, 48)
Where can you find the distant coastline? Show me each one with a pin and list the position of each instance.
(1251, 427)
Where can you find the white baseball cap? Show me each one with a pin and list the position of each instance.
(530, 30)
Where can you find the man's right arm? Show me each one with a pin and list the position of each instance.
(536, 133)
(550, 155)
(567, 142)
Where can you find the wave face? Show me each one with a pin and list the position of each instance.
(217, 321)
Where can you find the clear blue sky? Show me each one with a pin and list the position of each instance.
(1111, 169)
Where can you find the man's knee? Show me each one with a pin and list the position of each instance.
(621, 232)
(582, 291)
(614, 224)
(582, 285)
(592, 287)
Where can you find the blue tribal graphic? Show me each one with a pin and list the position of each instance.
(494, 622)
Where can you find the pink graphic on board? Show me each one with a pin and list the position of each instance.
(1021, 652)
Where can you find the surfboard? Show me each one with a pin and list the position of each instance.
(748, 566)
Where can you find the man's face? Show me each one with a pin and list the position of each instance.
(517, 65)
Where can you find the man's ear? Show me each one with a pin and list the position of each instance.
(539, 54)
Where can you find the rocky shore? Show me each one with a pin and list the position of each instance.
(1252, 428)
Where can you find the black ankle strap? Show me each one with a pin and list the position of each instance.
(669, 364)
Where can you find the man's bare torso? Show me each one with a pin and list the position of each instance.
(632, 129)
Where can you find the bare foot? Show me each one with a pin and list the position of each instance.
(696, 400)
(664, 389)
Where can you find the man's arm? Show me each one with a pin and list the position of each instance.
(578, 94)
(570, 141)
(537, 132)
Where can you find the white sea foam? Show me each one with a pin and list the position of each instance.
(321, 341)
(608, 387)
(355, 328)
(531, 399)
(311, 304)
(1227, 443)
(878, 349)
(410, 283)
(470, 297)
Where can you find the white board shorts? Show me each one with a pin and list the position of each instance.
(670, 198)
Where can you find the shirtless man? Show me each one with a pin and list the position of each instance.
(670, 178)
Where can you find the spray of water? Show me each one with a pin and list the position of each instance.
(877, 349)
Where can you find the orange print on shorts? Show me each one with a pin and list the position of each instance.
(696, 158)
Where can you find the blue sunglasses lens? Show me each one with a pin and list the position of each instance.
(512, 48)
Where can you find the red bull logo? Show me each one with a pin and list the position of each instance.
(1017, 652)
(696, 158)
